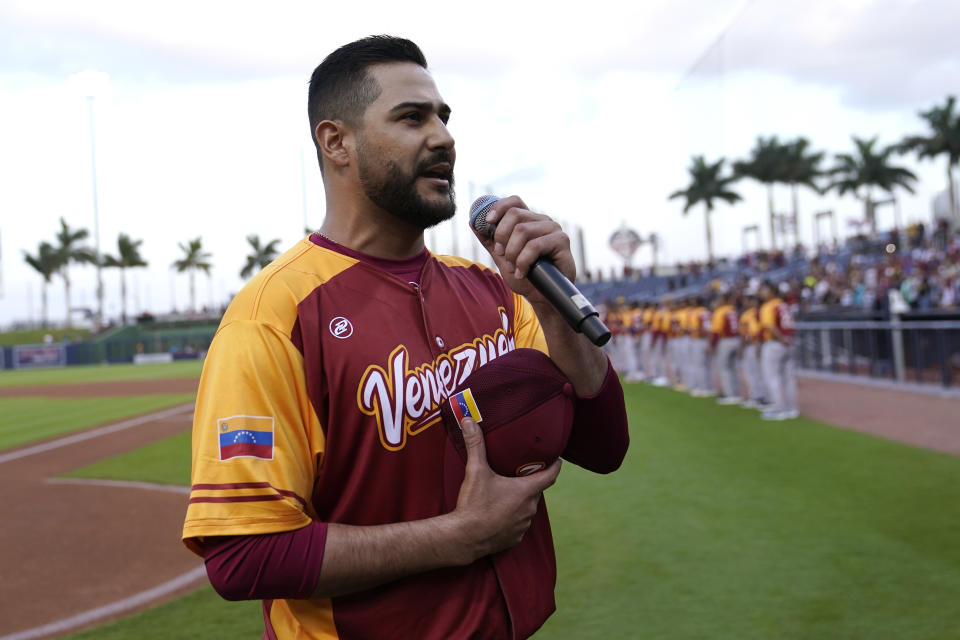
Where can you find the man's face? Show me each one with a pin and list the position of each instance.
(405, 154)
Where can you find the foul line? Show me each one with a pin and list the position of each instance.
(92, 615)
(122, 484)
(95, 433)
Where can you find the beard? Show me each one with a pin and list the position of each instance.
(395, 191)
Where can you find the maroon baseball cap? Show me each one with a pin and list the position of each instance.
(523, 404)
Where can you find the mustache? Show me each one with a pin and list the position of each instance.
(439, 157)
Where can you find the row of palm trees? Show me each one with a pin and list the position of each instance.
(69, 248)
(861, 173)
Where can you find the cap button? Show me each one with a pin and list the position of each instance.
(567, 389)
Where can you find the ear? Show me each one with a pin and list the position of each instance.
(332, 140)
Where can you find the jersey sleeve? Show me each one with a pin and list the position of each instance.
(527, 327)
(256, 437)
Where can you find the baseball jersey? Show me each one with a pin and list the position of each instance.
(614, 321)
(775, 313)
(699, 322)
(724, 322)
(750, 325)
(649, 323)
(678, 321)
(666, 321)
(637, 325)
(320, 400)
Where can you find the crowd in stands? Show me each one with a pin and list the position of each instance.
(915, 270)
(726, 329)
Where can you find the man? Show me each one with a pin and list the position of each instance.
(725, 344)
(638, 330)
(698, 326)
(318, 450)
(633, 333)
(677, 346)
(647, 357)
(750, 339)
(661, 343)
(776, 355)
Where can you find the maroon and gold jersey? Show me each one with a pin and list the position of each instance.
(698, 322)
(776, 314)
(320, 400)
(725, 323)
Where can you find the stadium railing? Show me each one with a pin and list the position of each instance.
(918, 351)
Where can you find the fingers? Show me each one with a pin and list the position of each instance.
(522, 236)
(545, 479)
(476, 449)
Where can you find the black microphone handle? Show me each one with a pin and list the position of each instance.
(567, 299)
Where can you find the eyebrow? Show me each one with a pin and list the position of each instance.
(442, 110)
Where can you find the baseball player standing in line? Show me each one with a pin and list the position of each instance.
(698, 324)
(776, 355)
(637, 331)
(751, 336)
(726, 345)
(627, 343)
(646, 341)
(318, 449)
(661, 344)
(678, 345)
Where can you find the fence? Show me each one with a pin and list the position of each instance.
(903, 351)
(180, 345)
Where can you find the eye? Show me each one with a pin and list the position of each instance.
(413, 116)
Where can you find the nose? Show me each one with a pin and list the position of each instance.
(440, 136)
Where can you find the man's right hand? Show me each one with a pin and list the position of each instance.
(495, 511)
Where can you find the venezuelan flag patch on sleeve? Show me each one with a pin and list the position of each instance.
(246, 437)
(464, 406)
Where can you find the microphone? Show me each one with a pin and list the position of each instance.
(549, 281)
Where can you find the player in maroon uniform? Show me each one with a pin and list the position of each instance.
(318, 446)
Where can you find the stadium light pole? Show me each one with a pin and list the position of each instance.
(90, 83)
(96, 213)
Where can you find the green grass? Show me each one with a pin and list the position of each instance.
(35, 336)
(100, 373)
(30, 418)
(720, 526)
(166, 461)
(201, 614)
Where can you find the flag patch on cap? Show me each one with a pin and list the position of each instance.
(464, 406)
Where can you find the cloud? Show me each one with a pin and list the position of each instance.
(884, 54)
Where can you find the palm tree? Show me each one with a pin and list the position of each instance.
(70, 250)
(802, 168)
(128, 255)
(944, 139)
(194, 258)
(767, 165)
(261, 256)
(46, 263)
(869, 167)
(706, 185)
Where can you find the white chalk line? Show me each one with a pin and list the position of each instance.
(94, 433)
(122, 484)
(114, 608)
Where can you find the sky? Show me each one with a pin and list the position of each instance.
(589, 111)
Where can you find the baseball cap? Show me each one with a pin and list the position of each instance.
(523, 404)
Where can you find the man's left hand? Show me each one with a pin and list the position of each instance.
(521, 237)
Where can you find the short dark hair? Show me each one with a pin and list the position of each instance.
(341, 88)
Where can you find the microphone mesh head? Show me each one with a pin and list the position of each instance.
(478, 213)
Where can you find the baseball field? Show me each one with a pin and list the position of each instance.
(719, 525)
